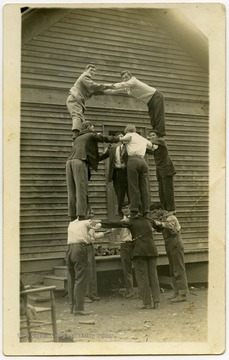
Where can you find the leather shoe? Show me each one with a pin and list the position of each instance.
(156, 305)
(178, 298)
(88, 300)
(173, 296)
(143, 307)
(94, 298)
(129, 295)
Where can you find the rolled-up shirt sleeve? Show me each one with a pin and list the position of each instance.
(171, 225)
(149, 145)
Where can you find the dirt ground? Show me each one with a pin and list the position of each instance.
(117, 319)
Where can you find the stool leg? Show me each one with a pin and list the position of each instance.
(28, 325)
(53, 316)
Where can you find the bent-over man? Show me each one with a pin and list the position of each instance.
(149, 95)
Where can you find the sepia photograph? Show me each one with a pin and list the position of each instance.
(114, 156)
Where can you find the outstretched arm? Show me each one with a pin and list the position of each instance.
(172, 225)
(118, 88)
(105, 154)
(114, 224)
(90, 84)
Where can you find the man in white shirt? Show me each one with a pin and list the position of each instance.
(80, 237)
(137, 170)
(149, 95)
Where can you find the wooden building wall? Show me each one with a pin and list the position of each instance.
(52, 58)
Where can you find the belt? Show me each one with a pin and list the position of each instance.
(127, 242)
(86, 244)
(136, 156)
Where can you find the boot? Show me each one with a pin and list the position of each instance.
(178, 298)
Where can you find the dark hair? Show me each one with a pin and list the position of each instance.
(156, 206)
(125, 203)
(126, 72)
(119, 133)
(90, 66)
(154, 131)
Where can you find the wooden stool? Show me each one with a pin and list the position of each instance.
(32, 325)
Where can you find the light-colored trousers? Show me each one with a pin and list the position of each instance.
(77, 112)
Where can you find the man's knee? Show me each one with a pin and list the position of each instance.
(77, 123)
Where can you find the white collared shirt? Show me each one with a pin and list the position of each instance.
(78, 232)
(136, 144)
(118, 164)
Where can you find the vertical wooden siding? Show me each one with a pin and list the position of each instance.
(115, 40)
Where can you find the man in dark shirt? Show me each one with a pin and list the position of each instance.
(165, 170)
(84, 156)
(144, 255)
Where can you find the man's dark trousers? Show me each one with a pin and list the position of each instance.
(145, 268)
(125, 253)
(175, 253)
(120, 186)
(77, 262)
(91, 272)
(137, 174)
(156, 111)
(166, 192)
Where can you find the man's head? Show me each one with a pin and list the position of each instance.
(90, 213)
(87, 125)
(126, 75)
(157, 210)
(91, 69)
(118, 133)
(125, 208)
(153, 134)
(130, 128)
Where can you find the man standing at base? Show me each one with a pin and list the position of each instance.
(79, 248)
(167, 223)
(126, 247)
(144, 256)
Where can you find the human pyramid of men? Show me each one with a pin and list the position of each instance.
(128, 170)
